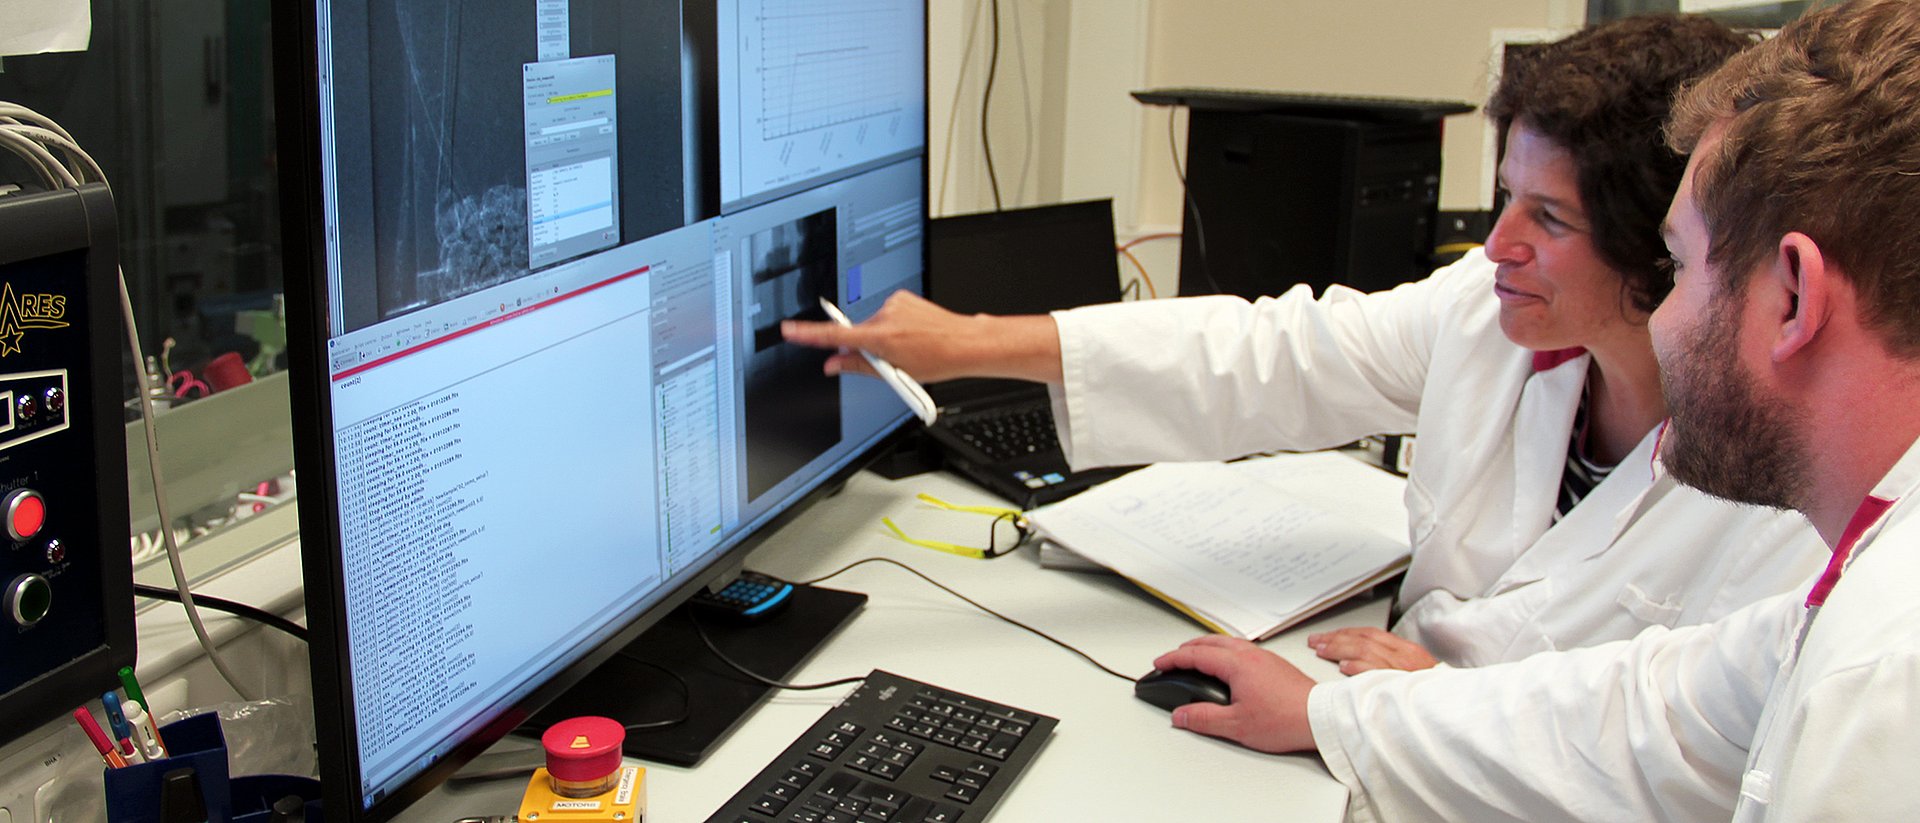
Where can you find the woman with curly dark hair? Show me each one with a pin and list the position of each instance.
(1540, 516)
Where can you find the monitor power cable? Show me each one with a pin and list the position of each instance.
(34, 138)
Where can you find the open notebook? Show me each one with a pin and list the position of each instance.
(1249, 548)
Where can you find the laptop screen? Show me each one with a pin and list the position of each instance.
(1024, 261)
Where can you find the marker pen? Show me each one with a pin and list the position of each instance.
(117, 724)
(99, 738)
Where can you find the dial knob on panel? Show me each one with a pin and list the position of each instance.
(56, 400)
(28, 598)
(26, 407)
(26, 513)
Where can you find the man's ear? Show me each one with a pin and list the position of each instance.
(1805, 278)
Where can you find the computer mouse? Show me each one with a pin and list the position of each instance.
(1172, 688)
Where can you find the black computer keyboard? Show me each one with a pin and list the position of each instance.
(1012, 432)
(895, 751)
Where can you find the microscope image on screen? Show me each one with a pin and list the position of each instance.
(452, 126)
(792, 408)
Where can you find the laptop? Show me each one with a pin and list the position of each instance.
(1000, 433)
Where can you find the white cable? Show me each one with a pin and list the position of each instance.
(15, 111)
(160, 500)
(52, 173)
(87, 169)
(953, 114)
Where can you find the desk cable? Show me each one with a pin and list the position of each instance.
(254, 613)
(917, 573)
(701, 631)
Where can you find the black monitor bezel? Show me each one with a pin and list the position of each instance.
(296, 83)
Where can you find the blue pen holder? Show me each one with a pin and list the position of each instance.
(133, 793)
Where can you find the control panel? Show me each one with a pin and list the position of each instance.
(65, 571)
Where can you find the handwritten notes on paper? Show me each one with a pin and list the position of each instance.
(1232, 544)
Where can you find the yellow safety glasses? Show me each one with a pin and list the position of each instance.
(994, 549)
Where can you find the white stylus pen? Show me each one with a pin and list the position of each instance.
(146, 739)
(909, 389)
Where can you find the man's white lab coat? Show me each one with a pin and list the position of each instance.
(1493, 577)
(1738, 717)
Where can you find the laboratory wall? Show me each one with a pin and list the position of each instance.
(1062, 127)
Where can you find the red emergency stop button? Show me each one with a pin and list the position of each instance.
(26, 514)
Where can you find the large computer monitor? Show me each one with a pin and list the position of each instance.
(539, 387)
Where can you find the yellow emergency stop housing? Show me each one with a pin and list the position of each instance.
(626, 802)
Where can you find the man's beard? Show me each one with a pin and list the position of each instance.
(1725, 437)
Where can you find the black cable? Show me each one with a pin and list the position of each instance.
(1193, 208)
(986, 142)
(760, 678)
(971, 602)
(686, 700)
(253, 613)
(686, 696)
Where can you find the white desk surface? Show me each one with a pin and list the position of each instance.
(1112, 758)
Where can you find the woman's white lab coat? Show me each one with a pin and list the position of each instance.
(1493, 578)
(1776, 712)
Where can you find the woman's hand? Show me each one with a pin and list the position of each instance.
(932, 344)
(1365, 649)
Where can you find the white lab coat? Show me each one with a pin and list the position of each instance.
(1733, 718)
(1493, 578)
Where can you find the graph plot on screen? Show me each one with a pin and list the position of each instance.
(815, 91)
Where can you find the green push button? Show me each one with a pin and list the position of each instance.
(29, 598)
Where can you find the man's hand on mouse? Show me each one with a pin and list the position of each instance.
(1269, 709)
(932, 344)
(1363, 649)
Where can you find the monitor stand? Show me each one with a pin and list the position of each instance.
(632, 688)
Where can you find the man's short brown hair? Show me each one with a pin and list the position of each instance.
(1821, 136)
(1602, 94)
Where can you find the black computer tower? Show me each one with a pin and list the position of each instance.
(1315, 194)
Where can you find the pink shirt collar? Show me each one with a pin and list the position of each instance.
(1544, 360)
(1869, 513)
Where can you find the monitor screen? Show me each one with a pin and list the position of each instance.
(542, 397)
(812, 89)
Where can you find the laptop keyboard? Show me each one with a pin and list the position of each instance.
(1004, 434)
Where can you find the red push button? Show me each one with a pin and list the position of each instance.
(26, 514)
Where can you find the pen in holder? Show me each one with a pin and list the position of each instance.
(143, 793)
